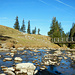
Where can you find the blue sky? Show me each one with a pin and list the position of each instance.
(39, 12)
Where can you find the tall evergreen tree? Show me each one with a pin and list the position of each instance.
(72, 31)
(23, 27)
(34, 31)
(63, 34)
(55, 29)
(28, 30)
(16, 25)
(38, 31)
(72, 34)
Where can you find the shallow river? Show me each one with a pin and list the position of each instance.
(63, 69)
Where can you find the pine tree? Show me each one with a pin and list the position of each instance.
(16, 25)
(38, 31)
(72, 31)
(63, 34)
(23, 27)
(72, 34)
(55, 29)
(34, 31)
(28, 30)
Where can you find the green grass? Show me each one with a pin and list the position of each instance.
(27, 40)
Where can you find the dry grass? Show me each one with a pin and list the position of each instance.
(27, 40)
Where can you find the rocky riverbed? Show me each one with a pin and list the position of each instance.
(37, 62)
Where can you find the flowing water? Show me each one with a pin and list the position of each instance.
(63, 69)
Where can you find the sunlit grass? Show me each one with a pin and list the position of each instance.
(27, 40)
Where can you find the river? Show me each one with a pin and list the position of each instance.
(66, 67)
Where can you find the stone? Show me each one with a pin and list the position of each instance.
(11, 69)
(9, 72)
(23, 70)
(65, 58)
(21, 48)
(27, 66)
(3, 66)
(11, 54)
(13, 51)
(18, 59)
(36, 50)
(42, 68)
(7, 53)
(29, 73)
(8, 59)
(3, 49)
(36, 71)
(60, 58)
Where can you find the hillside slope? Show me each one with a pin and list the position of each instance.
(10, 35)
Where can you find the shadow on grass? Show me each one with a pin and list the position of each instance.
(4, 38)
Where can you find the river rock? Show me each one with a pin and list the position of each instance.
(3, 49)
(7, 53)
(25, 68)
(36, 50)
(18, 59)
(21, 48)
(11, 54)
(36, 71)
(58, 52)
(60, 58)
(9, 72)
(65, 58)
(13, 51)
(8, 59)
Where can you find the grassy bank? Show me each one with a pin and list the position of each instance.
(12, 36)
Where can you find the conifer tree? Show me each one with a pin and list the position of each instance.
(28, 30)
(72, 35)
(63, 34)
(38, 31)
(23, 27)
(55, 29)
(72, 31)
(34, 31)
(16, 25)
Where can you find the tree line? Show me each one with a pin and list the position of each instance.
(23, 27)
(56, 31)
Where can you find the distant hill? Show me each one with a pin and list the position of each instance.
(10, 35)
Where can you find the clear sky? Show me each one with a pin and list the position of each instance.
(39, 12)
